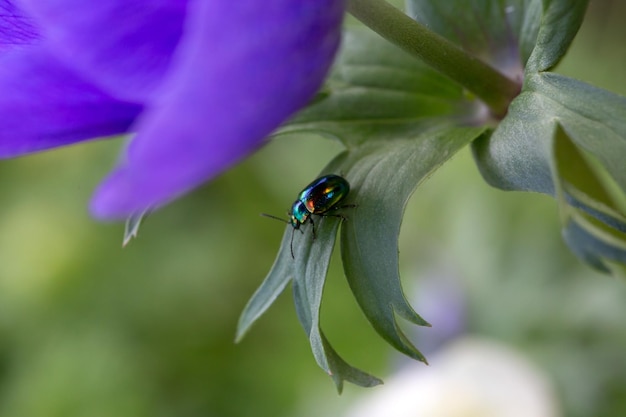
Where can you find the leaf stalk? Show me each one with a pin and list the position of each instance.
(491, 86)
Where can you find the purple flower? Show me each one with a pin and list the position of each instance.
(201, 83)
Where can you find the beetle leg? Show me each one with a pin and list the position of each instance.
(340, 216)
(345, 206)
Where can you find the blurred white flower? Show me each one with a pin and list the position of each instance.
(471, 377)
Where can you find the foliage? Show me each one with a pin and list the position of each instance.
(399, 120)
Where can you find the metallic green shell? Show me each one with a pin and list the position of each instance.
(324, 193)
(318, 197)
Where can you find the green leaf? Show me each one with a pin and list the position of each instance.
(593, 242)
(559, 24)
(586, 183)
(277, 279)
(131, 228)
(502, 33)
(595, 119)
(507, 34)
(311, 266)
(517, 156)
(383, 176)
(379, 92)
(400, 121)
(593, 226)
(566, 139)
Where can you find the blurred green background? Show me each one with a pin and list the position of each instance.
(90, 329)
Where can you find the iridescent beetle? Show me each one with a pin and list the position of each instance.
(319, 197)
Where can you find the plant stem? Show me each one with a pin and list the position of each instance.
(484, 81)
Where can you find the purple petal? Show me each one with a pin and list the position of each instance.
(15, 27)
(44, 105)
(243, 68)
(124, 46)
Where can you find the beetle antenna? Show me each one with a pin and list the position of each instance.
(280, 219)
(275, 218)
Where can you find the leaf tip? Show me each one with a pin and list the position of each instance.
(131, 228)
(239, 335)
(246, 320)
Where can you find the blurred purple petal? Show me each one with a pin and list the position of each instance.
(15, 27)
(124, 46)
(242, 69)
(44, 105)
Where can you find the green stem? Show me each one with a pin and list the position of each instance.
(484, 81)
